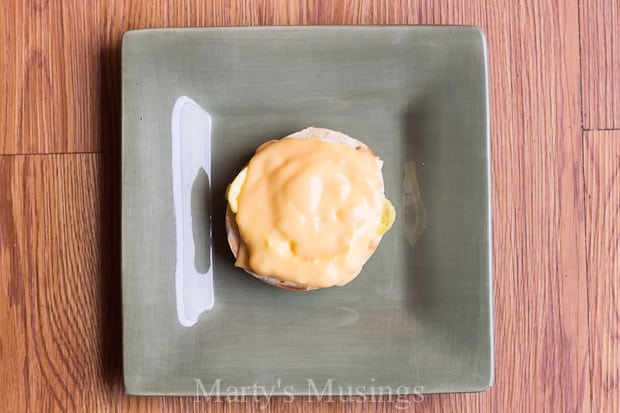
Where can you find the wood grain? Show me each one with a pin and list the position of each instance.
(602, 177)
(49, 77)
(14, 376)
(52, 263)
(600, 63)
(59, 213)
(539, 260)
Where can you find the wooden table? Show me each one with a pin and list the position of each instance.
(555, 98)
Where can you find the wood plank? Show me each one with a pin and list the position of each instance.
(600, 63)
(50, 75)
(53, 245)
(14, 255)
(602, 178)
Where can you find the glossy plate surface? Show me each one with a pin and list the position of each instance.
(418, 318)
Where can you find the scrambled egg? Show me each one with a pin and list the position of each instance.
(234, 189)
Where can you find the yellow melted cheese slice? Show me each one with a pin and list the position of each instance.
(309, 211)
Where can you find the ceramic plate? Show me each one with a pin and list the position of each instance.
(418, 319)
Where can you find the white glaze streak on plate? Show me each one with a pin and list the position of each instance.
(191, 158)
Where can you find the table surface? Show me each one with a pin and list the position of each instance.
(554, 71)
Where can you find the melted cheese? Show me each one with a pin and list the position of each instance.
(309, 211)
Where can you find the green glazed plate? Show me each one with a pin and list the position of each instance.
(418, 319)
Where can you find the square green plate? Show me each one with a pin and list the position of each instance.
(418, 319)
